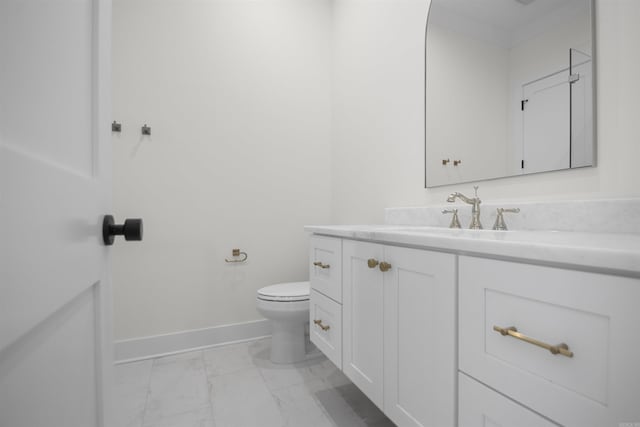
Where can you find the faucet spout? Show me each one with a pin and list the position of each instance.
(475, 207)
(453, 196)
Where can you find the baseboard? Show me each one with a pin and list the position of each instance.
(163, 345)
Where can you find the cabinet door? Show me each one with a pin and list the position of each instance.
(483, 407)
(420, 367)
(362, 318)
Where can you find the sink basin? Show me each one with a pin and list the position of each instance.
(437, 230)
(447, 237)
(527, 237)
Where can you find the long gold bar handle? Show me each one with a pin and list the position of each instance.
(512, 331)
(323, 327)
(321, 265)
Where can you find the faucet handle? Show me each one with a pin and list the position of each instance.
(500, 224)
(455, 222)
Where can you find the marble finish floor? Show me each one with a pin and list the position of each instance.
(238, 386)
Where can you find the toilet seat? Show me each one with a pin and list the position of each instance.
(285, 292)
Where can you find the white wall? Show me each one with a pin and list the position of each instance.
(378, 108)
(378, 131)
(237, 94)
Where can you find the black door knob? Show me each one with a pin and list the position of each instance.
(131, 229)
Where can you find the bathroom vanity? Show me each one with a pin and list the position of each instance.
(443, 327)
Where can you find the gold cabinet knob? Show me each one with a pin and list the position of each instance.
(385, 266)
(372, 262)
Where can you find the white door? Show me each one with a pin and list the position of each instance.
(55, 166)
(420, 368)
(362, 300)
(546, 124)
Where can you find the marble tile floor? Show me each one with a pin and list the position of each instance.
(237, 386)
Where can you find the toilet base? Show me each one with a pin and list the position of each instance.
(287, 342)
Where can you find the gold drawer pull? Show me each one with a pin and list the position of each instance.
(323, 327)
(512, 331)
(372, 262)
(385, 266)
(321, 265)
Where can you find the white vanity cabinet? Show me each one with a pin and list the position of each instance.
(594, 382)
(399, 330)
(484, 328)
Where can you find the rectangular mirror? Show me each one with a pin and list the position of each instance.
(509, 88)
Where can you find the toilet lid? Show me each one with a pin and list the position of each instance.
(295, 291)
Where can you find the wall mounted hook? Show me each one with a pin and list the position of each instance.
(146, 130)
(116, 127)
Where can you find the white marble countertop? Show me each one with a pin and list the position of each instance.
(617, 253)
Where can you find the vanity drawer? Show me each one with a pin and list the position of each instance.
(325, 326)
(325, 271)
(479, 406)
(591, 313)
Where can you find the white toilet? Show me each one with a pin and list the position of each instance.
(287, 306)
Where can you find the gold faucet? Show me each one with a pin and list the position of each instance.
(475, 207)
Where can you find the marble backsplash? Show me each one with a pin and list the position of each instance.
(602, 215)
